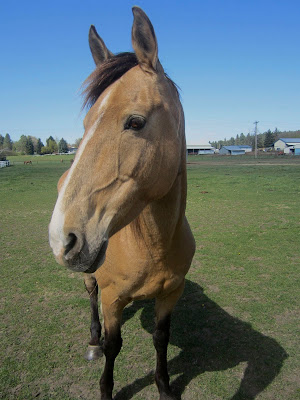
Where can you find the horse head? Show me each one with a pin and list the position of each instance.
(131, 153)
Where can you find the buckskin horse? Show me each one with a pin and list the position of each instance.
(120, 211)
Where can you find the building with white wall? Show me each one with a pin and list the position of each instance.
(200, 149)
(288, 145)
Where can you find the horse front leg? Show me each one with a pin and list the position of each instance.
(93, 351)
(163, 308)
(112, 313)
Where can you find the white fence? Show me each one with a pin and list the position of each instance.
(4, 164)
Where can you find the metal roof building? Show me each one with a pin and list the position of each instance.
(288, 145)
(200, 149)
(235, 150)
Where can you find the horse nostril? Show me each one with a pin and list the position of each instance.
(71, 243)
(73, 246)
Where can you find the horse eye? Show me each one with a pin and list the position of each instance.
(135, 122)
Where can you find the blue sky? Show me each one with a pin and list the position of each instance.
(236, 61)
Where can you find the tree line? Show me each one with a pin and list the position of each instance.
(32, 145)
(264, 140)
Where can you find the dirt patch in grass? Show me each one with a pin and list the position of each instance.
(254, 258)
(288, 317)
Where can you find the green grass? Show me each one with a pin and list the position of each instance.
(37, 159)
(235, 331)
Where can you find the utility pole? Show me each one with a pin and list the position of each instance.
(255, 123)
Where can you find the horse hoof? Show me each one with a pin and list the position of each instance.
(93, 353)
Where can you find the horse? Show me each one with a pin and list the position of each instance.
(27, 162)
(120, 213)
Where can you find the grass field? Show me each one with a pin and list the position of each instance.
(235, 332)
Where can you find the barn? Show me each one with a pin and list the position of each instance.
(288, 145)
(235, 150)
(199, 149)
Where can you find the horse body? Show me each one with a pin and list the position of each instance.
(120, 212)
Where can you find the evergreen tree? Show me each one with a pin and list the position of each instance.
(34, 142)
(276, 134)
(51, 146)
(29, 149)
(50, 138)
(260, 142)
(248, 140)
(221, 143)
(7, 142)
(1, 141)
(252, 141)
(269, 139)
(39, 146)
(63, 146)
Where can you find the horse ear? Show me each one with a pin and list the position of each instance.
(99, 51)
(144, 40)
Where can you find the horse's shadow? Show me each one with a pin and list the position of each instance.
(211, 340)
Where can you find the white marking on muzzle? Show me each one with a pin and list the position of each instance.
(57, 238)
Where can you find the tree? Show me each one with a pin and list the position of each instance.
(77, 142)
(51, 146)
(20, 145)
(269, 139)
(1, 141)
(276, 134)
(242, 139)
(44, 150)
(50, 138)
(39, 146)
(260, 142)
(29, 149)
(249, 140)
(24, 145)
(34, 141)
(7, 142)
(63, 146)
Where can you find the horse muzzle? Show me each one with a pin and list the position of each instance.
(76, 254)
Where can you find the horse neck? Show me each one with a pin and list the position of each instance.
(162, 219)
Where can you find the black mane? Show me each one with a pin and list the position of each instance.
(107, 73)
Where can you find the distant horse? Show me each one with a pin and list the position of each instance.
(27, 162)
(120, 212)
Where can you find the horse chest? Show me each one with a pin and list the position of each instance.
(136, 282)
